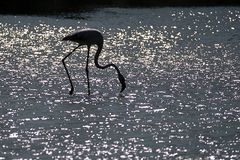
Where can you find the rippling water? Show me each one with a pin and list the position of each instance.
(182, 68)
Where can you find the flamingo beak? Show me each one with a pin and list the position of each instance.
(65, 38)
(122, 81)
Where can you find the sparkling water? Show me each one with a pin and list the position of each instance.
(182, 101)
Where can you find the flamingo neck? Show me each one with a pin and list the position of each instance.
(97, 57)
(120, 76)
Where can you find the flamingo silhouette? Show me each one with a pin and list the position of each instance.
(90, 37)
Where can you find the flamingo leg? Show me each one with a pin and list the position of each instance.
(87, 72)
(72, 88)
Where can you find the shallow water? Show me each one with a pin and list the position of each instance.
(182, 68)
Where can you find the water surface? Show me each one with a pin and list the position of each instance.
(182, 97)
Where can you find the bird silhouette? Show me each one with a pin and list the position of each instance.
(90, 37)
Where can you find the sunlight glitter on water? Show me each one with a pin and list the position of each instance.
(182, 96)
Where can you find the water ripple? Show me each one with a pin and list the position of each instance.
(182, 96)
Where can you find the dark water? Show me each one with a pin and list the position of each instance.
(182, 68)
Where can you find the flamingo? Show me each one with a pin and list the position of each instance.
(90, 37)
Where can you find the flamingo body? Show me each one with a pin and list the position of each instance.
(85, 37)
